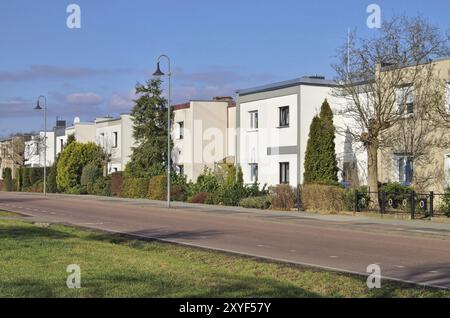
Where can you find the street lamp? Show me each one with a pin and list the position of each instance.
(159, 73)
(38, 107)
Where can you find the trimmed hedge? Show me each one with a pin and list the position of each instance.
(282, 197)
(117, 184)
(324, 198)
(157, 189)
(262, 203)
(135, 188)
(200, 198)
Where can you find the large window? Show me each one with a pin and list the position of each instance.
(404, 169)
(284, 172)
(253, 119)
(284, 116)
(254, 172)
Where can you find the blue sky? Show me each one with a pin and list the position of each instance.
(216, 48)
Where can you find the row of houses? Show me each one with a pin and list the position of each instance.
(265, 132)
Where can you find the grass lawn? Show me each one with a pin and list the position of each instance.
(33, 262)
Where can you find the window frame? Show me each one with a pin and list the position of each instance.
(283, 122)
(254, 176)
(115, 139)
(405, 173)
(254, 118)
(180, 134)
(284, 170)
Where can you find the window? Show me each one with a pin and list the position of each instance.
(254, 172)
(405, 101)
(181, 130)
(404, 169)
(284, 172)
(284, 116)
(253, 120)
(115, 140)
(61, 143)
(181, 169)
(115, 170)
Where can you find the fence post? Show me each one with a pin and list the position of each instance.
(413, 205)
(431, 203)
(356, 201)
(383, 201)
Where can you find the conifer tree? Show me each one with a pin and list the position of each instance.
(320, 159)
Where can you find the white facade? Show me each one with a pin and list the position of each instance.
(34, 154)
(115, 136)
(203, 135)
(276, 147)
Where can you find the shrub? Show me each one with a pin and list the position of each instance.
(282, 197)
(26, 179)
(101, 186)
(36, 175)
(200, 198)
(157, 188)
(446, 203)
(116, 184)
(38, 187)
(52, 187)
(206, 182)
(7, 179)
(71, 162)
(256, 202)
(350, 198)
(91, 173)
(135, 188)
(397, 192)
(324, 198)
(1, 185)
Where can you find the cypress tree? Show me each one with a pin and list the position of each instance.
(312, 152)
(328, 162)
(320, 159)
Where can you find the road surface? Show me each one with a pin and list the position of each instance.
(406, 251)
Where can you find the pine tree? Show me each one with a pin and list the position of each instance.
(149, 157)
(320, 160)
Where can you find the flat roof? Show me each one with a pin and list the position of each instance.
(305, 80)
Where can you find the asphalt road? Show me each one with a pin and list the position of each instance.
(406, 252)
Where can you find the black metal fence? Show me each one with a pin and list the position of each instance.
(417, 205)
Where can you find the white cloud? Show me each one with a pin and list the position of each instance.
(83, 99)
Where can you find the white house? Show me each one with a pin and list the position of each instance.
(34, 146)
(83, 131)
(204, 134)
(273, 124)
(115, 136)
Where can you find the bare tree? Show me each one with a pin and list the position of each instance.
(377, 76)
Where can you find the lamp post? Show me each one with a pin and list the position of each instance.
(38, 107)
(159, 73)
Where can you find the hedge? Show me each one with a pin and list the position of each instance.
(135, 188)
(324, 198)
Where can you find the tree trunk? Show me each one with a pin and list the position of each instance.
(372, 170)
